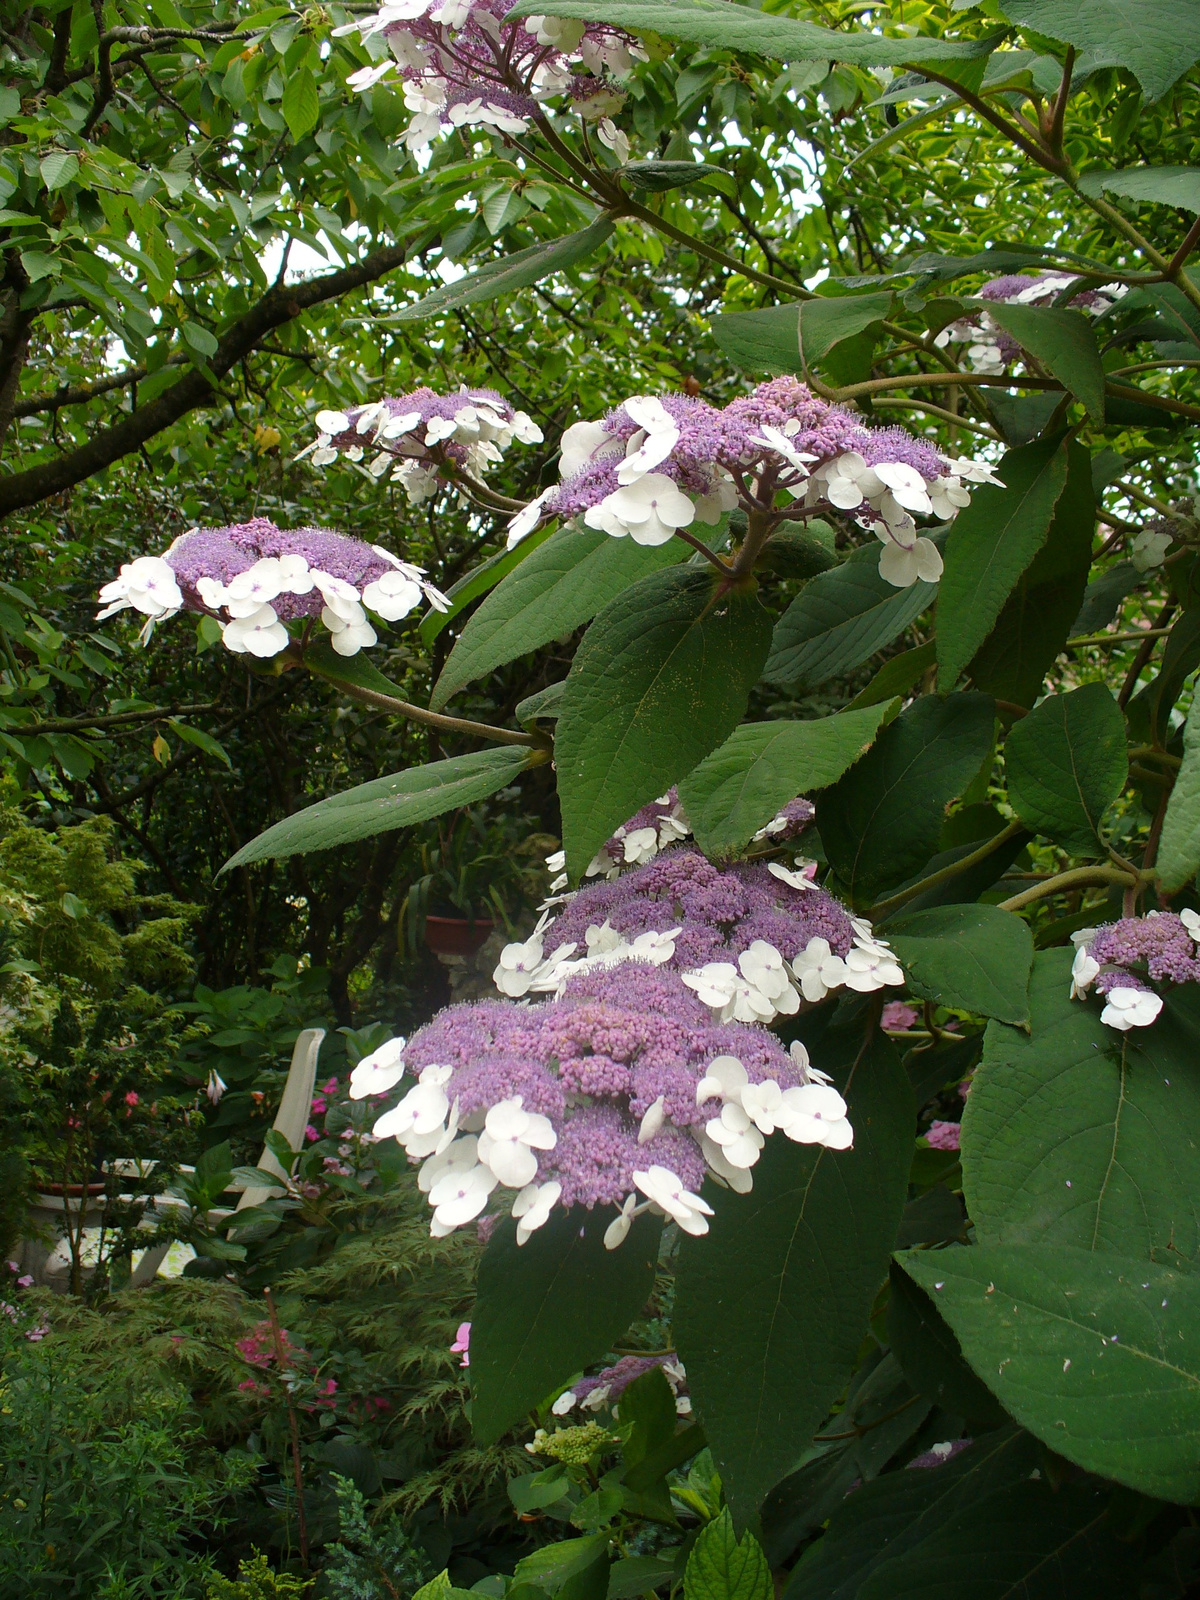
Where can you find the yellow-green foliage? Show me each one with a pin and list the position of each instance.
(70, 903)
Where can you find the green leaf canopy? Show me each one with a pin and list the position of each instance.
(974, 957)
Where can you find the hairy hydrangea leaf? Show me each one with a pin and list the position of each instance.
(881, 822)
(1066, 764)
(550, 1307)
(763, 765)
(990, 545)
(1096, 1354)
(1156, 39)
(556, 589)
(661, 678)
(1077, 1134)
(1179, 846)
(1063, 341)
(974, 957)
(510, 273)
(788, 1274)
(722, 1567)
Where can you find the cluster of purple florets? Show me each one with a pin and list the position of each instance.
(222, 553)
(593, 1063)
(1161, 944)
(721, 912)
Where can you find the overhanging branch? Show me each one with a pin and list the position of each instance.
(278, 306)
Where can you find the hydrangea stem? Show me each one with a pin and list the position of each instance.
(944, 874)
(1076, 878)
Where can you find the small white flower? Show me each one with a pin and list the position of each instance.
(392, 596)
(764, 1104)
(664, 1189)
(559, 33)
(775, 439)
(613, 139)
(948, 496)
(804, 1067)
(581, 443)
(618, 1229)
(801, 880)
(367, 77)
(260, 634)
(1149, 549)
(532, 1207)
(422, 1111)
(902, 565)
(652, 1120)
(458, 1197)
(526, 520)
(817, 1116)
(215, 1087)
(907, 486)
(379, 1071)
(871, 964)
(525, 967)
(148, 584)
(567, 1400)
(648, 511)
(971, 471)
(739, 1179)
(1084, 972)
(765, 970)
(1130, 1008)
(724, 1079)
(655, 948)
(818, 970)
(657, 436)
(348, 638)
(1191, 921)
(740, 1141)
(459, 1156)
(510, 1136)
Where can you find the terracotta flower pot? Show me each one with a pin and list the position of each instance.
(456, 936)
(71, 1191)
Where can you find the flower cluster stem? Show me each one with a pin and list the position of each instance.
(944, 874)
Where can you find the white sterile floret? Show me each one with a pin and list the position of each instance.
(532, 1207)
(908, 488)
(148, 584)
(525, 967)
(776, 439)
(655, 948)
(348, 637)
(259, 634)
(379, 1071)
(1085, 969)
(1130, 1008)
(459, 1197)
(509, 1138)
(764, 1104)
(1191, 921)
(421, 1114)
(527, 519)
(849, 481)
(657, 436)
(648, 511)
(902, 565)
(740, 1141)
(739, 1179)
(764, 968)
(818, 970)
(581, 443)
(972, 471)
(367, 77)
(640, 845)
(808, 1073)
(652, 1120)
(664, 1189)
(724, 1079)
(618, 1229)
(871, 964)
(948, 496)
(801, 879)
(460, 1156)
(613, 139)
(1149, 548)
(392, 596)
(817, 1115)
(558, 33)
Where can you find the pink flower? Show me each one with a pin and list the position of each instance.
(13, 1266)
(319, 1106)
(462, 1344)
(899, 1016)
(329, 1087)
(943, 1135)
(311, 1134)
(26, 1281)
(34, 1335)
(132, 1097)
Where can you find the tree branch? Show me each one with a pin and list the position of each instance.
(278, 306)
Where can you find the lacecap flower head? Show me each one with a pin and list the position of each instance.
(256, 579)
(657, 464)
(1124, 960)
(420, 438)
(991, 348)
(623, 1093)
(460, 65)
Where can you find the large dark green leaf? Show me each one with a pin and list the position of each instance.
(1166, 186)
(760, 768)
(1063, 341)
(772, 1305)
(1078, 1134)
(549, 1307)
(1029, 1540)
(893, 1514)
(478, 582)
(556, 589)
(990, 545)
(396, 801)
(881, 822)
(1103, 597)
(839, 619)
(974, 957)
(660, 679)
(1150, 709)
(1035, 623)
(1179, 846)
(1096, 1354)
(1066, 764)
(510, 273)
(929, 1354)
(1156, 39)
(733, 27)
(761, 341)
